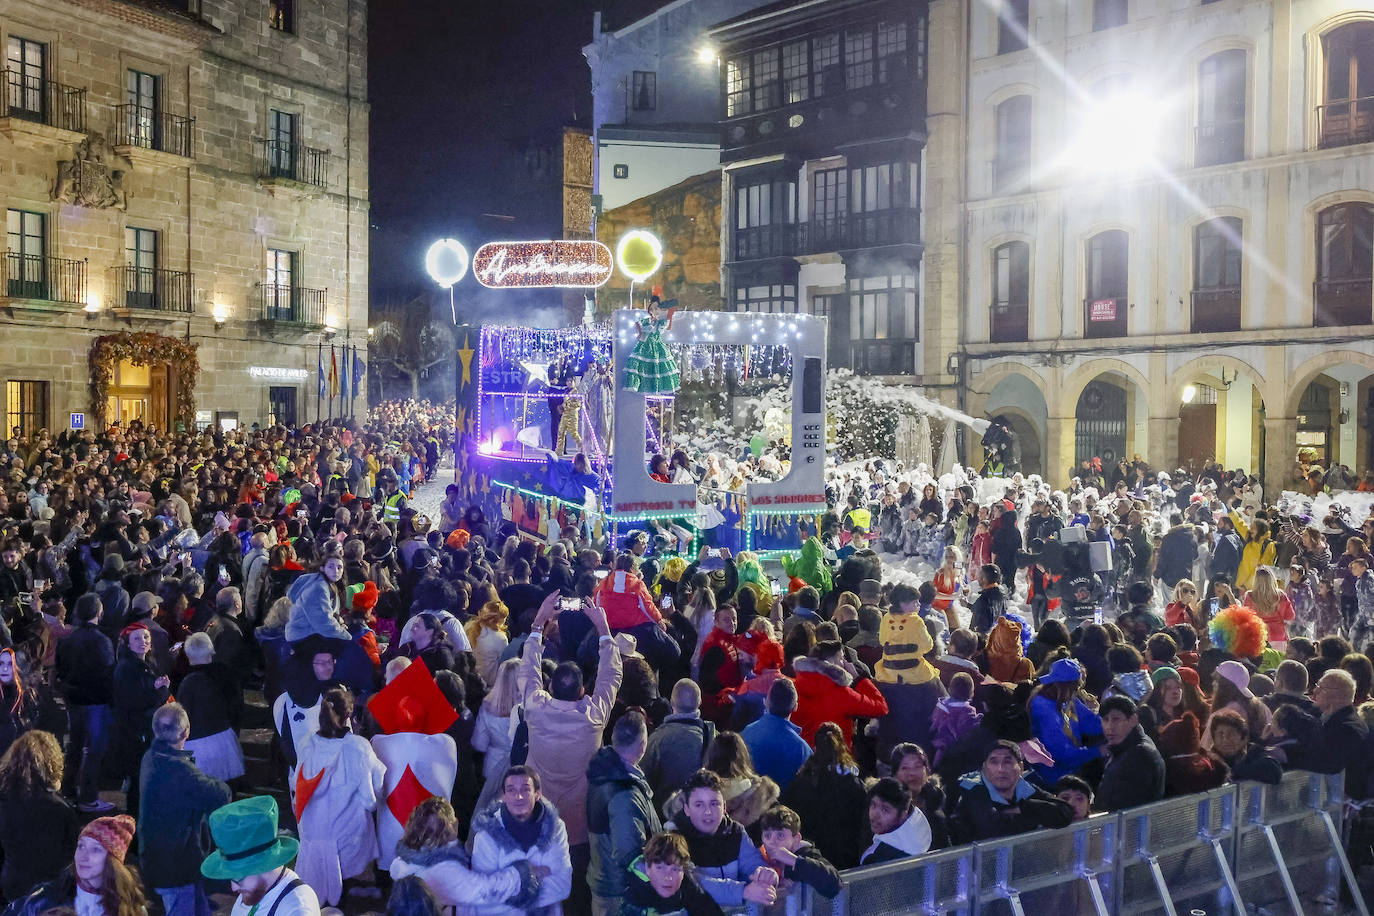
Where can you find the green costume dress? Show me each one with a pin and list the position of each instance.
(651, 368)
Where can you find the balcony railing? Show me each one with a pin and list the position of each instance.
(1216, 309)
(1219, 142)
(44, 102)
(1346, 122)
(1104, 316)
(294, 304)
(152, 288)
(293, 162)
(36, 276)
(148, 128)
(1337, 303)
(765, 242)
(1010, 322)
(883, 357)
(878, 229)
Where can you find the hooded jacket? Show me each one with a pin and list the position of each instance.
(827, 693)
(983, 814)
(447, 871)
(494, 848)
(626, 601)
(905, 641)
(911, 838)
(314, 610)
(1006, 662)
(642, 900)
(810, 567)
(620, 818)
(676, 750)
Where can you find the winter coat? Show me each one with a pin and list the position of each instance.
(983, 814)
(175, 802)
(1343, 745)
(620, 818)
(314, 610)
(38, 835)
(777, 748)
(990, 604)
(114, 603)
(1277, 622)
(746, 799)
(85, 666)
(951, 721)
(905, 640)
(212, 700)
(911, 838)
(642, 900)
(723, 861)
(1006, 662)
(1226, 556)
(60, 892)
(1187, 768)
(494, 848)
(827, 693)
(676, 750)
(136, 698)
(1254, 554)
(256, 570)
(564, 734)
(1177, 550)
(910, 708)
(1133, 775)
(626, 601)
(1062, 732)
(447, 871)
(834, 814)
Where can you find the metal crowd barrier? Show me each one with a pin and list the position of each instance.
(1234, 851)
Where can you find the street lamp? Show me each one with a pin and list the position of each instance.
(1119, 133)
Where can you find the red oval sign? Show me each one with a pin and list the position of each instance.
(576, 264)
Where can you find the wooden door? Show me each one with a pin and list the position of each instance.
(157, 407)
(1197, 435)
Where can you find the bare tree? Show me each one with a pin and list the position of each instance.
(406, 339)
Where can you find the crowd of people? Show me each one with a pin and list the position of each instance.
(466, 717)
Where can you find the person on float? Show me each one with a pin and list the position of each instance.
(420, 759)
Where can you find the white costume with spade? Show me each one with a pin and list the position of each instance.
(421, 761)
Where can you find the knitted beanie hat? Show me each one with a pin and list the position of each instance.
(114, 833)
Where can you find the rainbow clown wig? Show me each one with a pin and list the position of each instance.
(1239, 631)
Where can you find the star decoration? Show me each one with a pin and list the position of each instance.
(465, 357)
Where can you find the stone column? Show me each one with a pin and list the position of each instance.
(1280, 451)
(1059, 449)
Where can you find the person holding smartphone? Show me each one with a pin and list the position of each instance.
(630, 607)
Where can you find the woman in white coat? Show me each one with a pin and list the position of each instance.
(495, 729)
(339, 782)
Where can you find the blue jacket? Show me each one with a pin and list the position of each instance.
(1064, 738)
(777, 747)
(314, 609)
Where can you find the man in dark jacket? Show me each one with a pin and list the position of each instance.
(1134, 773)
(620, 811)
(175, 804)
(998, 801)
(85, 672)
(791, 856)
(1226, 553)
(113, 598)
(677, 748)
(1177, 551)
(991, 602)
(1343, 741)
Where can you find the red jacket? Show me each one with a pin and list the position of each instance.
(626, 601)
(824, 695)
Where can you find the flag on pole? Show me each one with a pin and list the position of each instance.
(319, 362)
(333, 373)
(343, 376)
(359, 370)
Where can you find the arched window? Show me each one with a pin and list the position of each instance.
(1347, 109)
(1216, 275)
(1011, 292)
(1104, 309)
(1345, 265)
(1013, 151)
(1221, 108)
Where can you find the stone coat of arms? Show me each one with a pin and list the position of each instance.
(94, 177)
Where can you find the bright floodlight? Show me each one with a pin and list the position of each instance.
(446, 262)
(1120, 133)
(706, 54)
(1189, 392)
(639, 254)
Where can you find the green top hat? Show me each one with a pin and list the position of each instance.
(246, 833)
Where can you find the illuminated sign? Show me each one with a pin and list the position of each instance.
(515, 265)
(275, 372)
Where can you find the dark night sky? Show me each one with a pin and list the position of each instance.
(460, 90)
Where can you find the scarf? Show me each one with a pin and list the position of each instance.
(524, 833)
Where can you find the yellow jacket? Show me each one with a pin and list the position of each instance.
(905, 641)
(1253, 555)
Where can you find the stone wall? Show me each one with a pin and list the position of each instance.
(686, 219)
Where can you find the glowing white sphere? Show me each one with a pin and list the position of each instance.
(446, 262)
(639, 254)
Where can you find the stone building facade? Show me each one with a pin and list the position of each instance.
(1161, 226)
(182, 173)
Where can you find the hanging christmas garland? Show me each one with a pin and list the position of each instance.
(144, 349)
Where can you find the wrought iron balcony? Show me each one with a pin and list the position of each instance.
(1104, 316)
(154, 289)
(43, 101)
(1346, 122)
(36, 276)
(144, 127)
(280, 159)
(1337, 303)
(761, 242)
(852, 231)
(1216, 309)
(293, 304)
